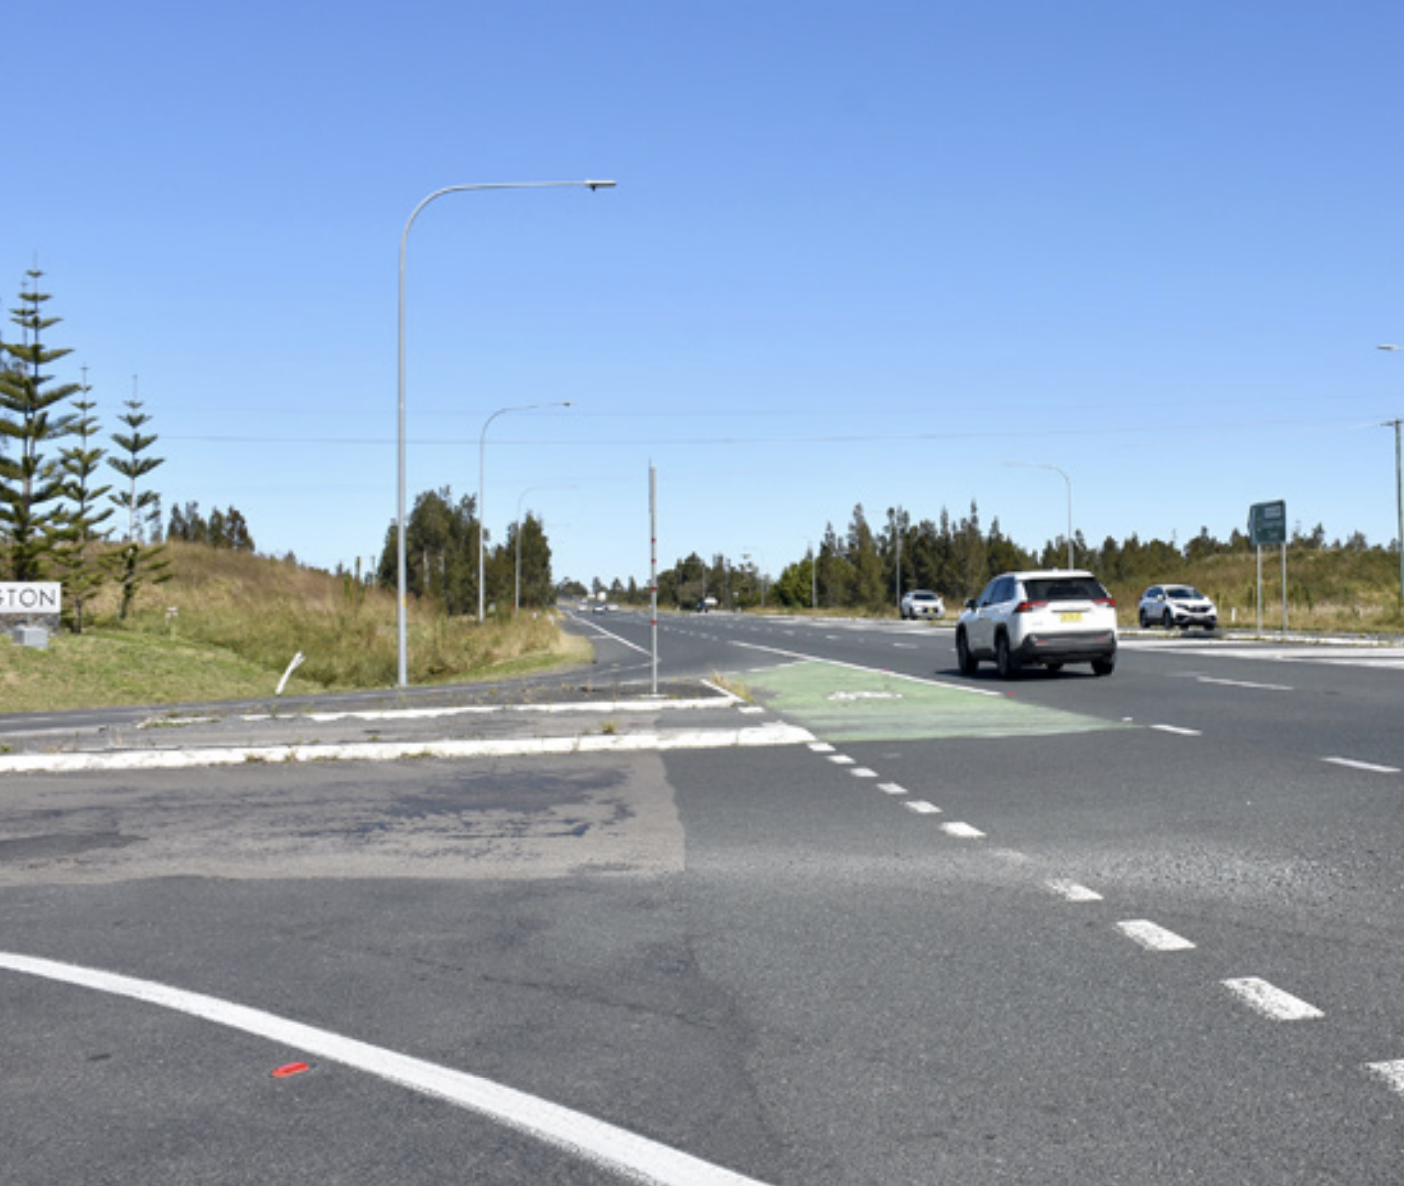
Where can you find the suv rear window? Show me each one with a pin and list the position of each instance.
(1065, 589)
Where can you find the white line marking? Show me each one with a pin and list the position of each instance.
(921, 807)
(624, 642)
(1152, 937)
(385, 751)
(1368, 766)
(821, 747)
(892, 788)
(605, 1146)
(1391, 1072)
(963, 831)
(1271, 1002)
(841, 760)
(1243, 683)
(915, 679)
(1073, 892)
(1178, 730)
(863, 772)
(752, 708)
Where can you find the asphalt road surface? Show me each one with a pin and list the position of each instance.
(874, 923)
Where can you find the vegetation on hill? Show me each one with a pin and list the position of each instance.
(227, 625)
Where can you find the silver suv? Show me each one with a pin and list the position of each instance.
(1050, 618)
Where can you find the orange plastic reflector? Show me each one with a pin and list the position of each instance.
(292, 1068)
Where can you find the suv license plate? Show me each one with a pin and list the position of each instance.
(1072, 617)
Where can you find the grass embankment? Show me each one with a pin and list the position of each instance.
(1328, 589)
(238, 621)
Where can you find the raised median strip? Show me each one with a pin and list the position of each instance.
(386, 751)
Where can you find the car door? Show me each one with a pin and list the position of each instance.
(982, 624)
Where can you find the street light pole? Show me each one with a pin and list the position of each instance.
(1398, 496)
(1068, 480)
(482, 463)
(400, 499)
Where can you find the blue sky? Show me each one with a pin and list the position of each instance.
(858, 254)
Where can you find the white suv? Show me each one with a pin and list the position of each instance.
(1054, 617)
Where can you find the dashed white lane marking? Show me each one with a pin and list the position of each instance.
(1177, 730)
(1152, 937)
(605, 1146)
(1353, 764)
(863, 772)
(892, 788)
(821, 747)
(1271, 1002)
(751, 708)
(1073, 892)
(841, 760)
(1243, 683)
(386, 751)
(921, 807)
(962, 831)
(1391, 1072)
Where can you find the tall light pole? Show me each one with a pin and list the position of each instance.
(1068, 480)
(1398, 496)
(482, 464)
(400, 500)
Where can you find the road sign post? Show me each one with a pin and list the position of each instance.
(1267, 524)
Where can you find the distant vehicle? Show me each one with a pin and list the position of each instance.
(1177, 605)
(1048, 617)
(922, 603)
(706, 605)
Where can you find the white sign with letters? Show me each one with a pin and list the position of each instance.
(29, 597)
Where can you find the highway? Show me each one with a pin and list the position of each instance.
(1140, 929)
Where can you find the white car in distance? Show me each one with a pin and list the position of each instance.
(922, 603)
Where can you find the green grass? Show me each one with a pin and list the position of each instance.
(238, 622)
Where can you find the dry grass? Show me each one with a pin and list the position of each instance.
(236, 624)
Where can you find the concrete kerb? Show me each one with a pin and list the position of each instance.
(620, 724)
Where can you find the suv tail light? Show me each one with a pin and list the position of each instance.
(1109, 602)
(1025, 607)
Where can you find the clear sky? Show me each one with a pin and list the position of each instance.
(858, 253)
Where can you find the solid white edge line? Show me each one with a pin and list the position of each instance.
(914, 679)
(1369, 767)
(603, 1144)
(1270, 1001)
(384, 751)
(1152, 937)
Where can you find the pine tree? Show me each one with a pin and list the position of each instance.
(31, 484)
(134, 564)
(82, 573)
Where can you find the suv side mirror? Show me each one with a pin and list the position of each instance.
(970, 603)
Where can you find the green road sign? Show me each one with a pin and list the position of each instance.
(1267, 523)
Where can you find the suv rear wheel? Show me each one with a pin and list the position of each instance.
(1005, 661)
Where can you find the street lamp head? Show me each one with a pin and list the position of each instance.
(594, 185)
(1387, 347)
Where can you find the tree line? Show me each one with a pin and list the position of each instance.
(867, 569)
(441, 558)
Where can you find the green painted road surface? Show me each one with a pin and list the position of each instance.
(841, 703)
